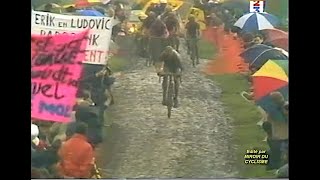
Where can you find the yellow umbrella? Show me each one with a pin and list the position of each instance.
(277, 69)
(271, 77)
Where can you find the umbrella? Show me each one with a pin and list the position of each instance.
(259, 54)
(254, 21)
(276, 38)
(90, 12)
(274, 34)
(272, 76)
(281, 43)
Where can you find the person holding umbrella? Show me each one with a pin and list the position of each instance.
(279, 138)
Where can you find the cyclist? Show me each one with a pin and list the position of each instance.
(147, 22)
(192, 34)
(173, 27)
(158, 38)
(171, 63)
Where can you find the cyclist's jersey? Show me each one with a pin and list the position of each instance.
(148, 22)
(192, 29)
(172, 24)
(158, 29)
(172, 61)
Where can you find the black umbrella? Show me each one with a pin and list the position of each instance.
(259, 54)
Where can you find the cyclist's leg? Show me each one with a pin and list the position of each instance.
(192, 48)
(188, 45)
(196, 50)
(164, 89)
(152, 50)
(176, 91)
(177, 42)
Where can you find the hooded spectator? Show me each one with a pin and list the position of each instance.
(89, 115)
(76, 155)
(279, 139)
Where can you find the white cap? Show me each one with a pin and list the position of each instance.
(34, 131)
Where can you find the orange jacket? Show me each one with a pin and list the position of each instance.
(76, 157)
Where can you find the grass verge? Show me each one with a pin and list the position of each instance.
(245, 115)
(247, 135)
(206, 50)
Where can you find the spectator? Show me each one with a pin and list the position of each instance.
(217, 28)
(48, 158)
(229, 20)
(89, 115)
(57, 132)
(247, 39)
(34, 135)
(279, 139)
(76, 155)
(258, 39)
(43, 144)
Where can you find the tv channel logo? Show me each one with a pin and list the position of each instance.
(257, 6)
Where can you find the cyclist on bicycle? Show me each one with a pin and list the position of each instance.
(193, 34)
(158, 34)
(173, 27)
(171, 63)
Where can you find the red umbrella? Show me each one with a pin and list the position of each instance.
(281, 43)
(277, 38)
(273, 34)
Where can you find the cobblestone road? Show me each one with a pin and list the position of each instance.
(194, 143)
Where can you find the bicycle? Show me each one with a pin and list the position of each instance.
(169, 100)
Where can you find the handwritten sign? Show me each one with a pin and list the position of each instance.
(257, 6)
(56, 65)
(44, 23)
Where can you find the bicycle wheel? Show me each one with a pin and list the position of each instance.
(170, 96)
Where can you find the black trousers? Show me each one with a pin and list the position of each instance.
(275, 153)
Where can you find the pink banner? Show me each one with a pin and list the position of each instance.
(56, 65)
